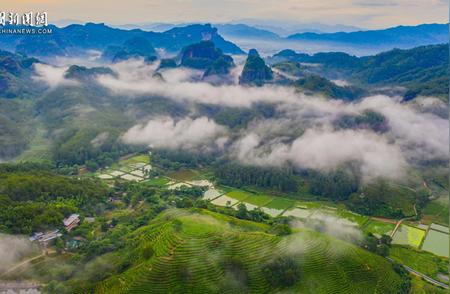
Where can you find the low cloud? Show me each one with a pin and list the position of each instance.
(187, 134)
(13, 249)
(327, 150)
(303, 132)
(52, 76)
(331, 225)
(181, 84)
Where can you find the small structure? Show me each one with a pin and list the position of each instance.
(71, 222)
(89, 219)
(45, 238)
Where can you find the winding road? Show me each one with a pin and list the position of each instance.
(427, 278)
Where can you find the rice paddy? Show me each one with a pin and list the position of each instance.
(407, 235)
(378, 227)
(211, 194)
(224, 201)
(183, 175)
(436, 242)
(133, 168)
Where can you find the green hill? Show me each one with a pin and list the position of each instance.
(188, 251)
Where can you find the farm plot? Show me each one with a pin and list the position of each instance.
(183, 175)
(439, 228)
(280, 203)
(298, 212)
(117, 173)
(177, 185)
(407, 235)
(224, 201)
(105, 177)
(249, 206)
(436, 242)
(160, 181)
(130, 177)
(378, 227)
(201, 183)
(238, 195)
(211, 193)
(352, 216)
(272, 211)
(258, 200)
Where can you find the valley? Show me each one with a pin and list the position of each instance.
(176, 162)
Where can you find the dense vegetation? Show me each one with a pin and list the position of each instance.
(422, 70)
(239, 176)
(197, 251)
(255, 71)
(315, 83)
(35, 198)
(337, 185)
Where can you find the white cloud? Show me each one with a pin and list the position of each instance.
(327, 150)
(189, 134)
(52, 76)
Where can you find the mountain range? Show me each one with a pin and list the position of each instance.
(75, 39)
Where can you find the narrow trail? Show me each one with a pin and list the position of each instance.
(403, 219)
(10, 270)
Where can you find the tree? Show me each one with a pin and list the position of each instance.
(242, 212)
(281, 229)
(282, 272)
(386, 239)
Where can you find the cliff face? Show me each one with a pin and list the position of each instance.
(255, 71)
(137, 47)
(206, 56)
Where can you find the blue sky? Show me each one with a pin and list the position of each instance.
(361, 13)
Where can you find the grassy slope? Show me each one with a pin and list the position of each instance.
(190, 250)
(424, 262)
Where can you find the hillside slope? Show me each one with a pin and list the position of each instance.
(185, 251)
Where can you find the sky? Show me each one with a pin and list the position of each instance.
(360, 13)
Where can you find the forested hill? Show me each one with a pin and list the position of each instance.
(422, 70)
(76, 38)
(401, 35)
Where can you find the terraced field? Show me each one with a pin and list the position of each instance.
(197, 251)
(407, 235)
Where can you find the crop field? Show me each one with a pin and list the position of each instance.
(407, 235)
(436, 211)
(195, 252)
(280, 203)
(183, 175)
(159, 181)
(144, 158)
(258, 200)
(418, 260)
(224, 201)
(439, 228)
(249, 206)
(130, 168)
(238, 195)
(436, 242)
(378, 227)
(354, 217)
(298, 212)
(212, 193)
(272, 211)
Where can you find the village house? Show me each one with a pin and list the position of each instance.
(71, 222)
(45, 238)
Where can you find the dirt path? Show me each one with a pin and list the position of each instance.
(384, 220)
(403, 219)
(10, 270)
